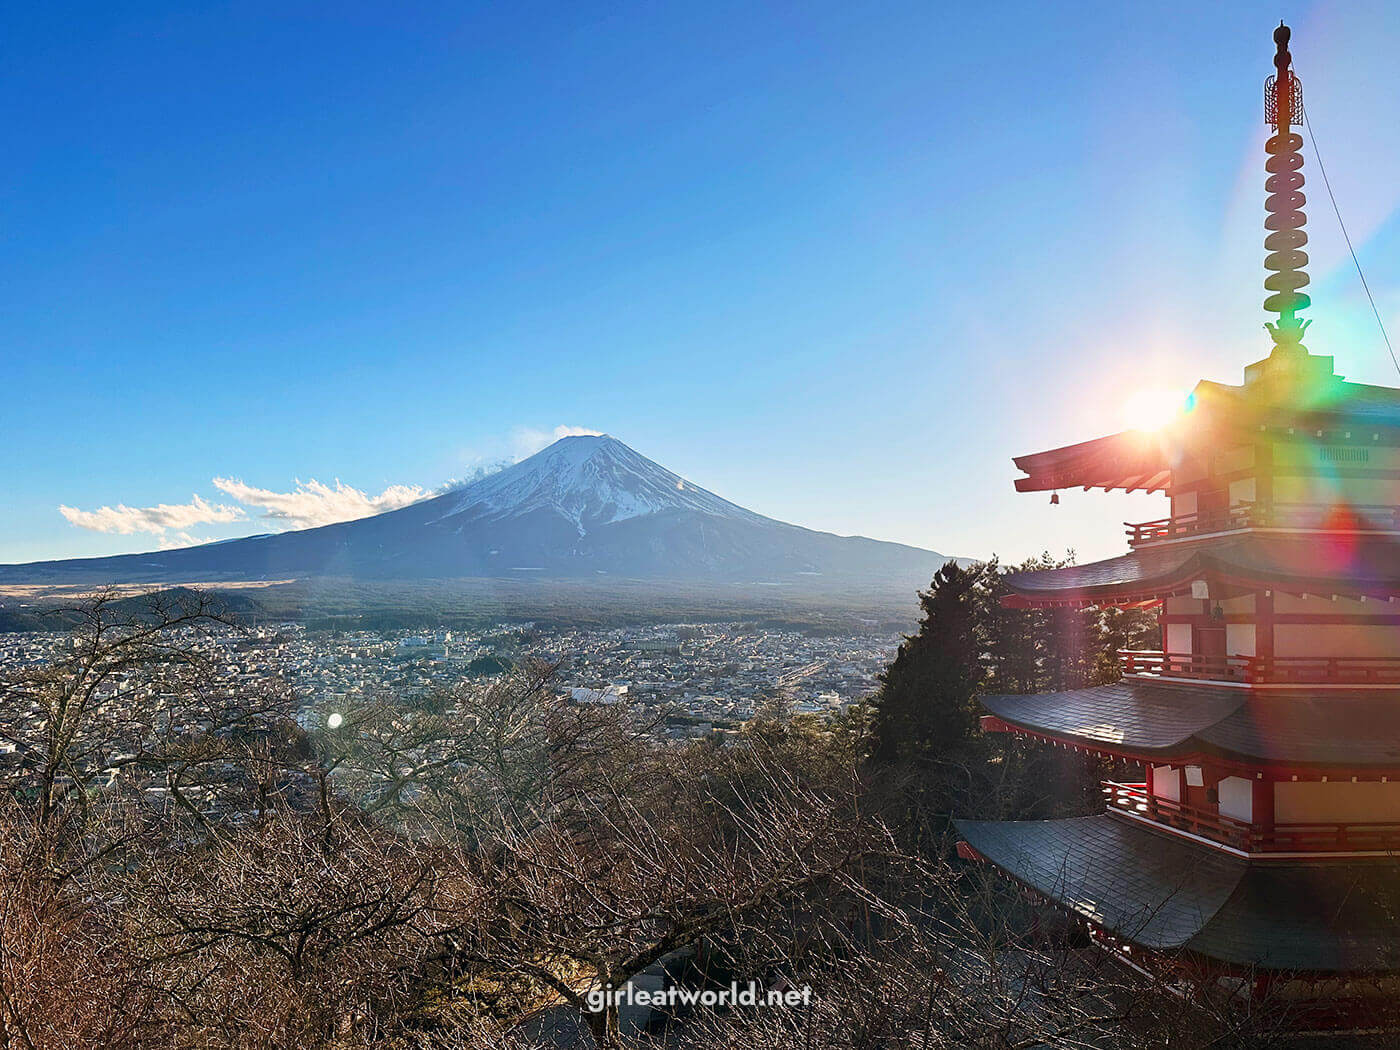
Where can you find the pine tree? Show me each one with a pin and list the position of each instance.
(969, 643)
(925, 704)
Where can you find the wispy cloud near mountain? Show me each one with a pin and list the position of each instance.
(156, 520)
(307, 505)
(314, 503)
(311, 503)
(526, 441)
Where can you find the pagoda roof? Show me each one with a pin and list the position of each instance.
(1170, 894)
(1134, 459)
(1305, 564)
(1145, 720)
(1331, 400)
(1144, 459)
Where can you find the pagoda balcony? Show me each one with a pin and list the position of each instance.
(1206, 822)
(1311, 516)
(1263, 670)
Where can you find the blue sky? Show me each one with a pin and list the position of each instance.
(837, 262)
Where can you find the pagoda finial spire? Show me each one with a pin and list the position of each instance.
(1283, 106)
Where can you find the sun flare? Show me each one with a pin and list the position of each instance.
(1152, 409)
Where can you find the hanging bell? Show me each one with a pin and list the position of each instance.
(1054, 499)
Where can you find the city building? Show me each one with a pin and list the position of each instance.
(1258, 851)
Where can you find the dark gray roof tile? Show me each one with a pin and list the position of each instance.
(1126, 715)
(1321, 564)
(1167, 893)
(1357, 728)
(1157, 891)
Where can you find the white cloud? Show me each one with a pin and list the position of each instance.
(310, 504)
(178, 539)
(157, 520)
(314, 503)
(526, 441)
(562, 431)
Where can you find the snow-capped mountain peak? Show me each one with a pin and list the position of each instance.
(591, 480)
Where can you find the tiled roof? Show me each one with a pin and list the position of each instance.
(1127, 716)
(1351, 728)
(1155, 890)
(1315, 916)
(1360, 728)
(1141, 566)
(1325, 564)
(1168, 894)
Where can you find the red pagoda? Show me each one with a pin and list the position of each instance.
(1261, 844)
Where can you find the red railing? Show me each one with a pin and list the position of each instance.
(1199, 820)
(1350, 517)
(1191, 525)
(1208, 822)
(1268, 670)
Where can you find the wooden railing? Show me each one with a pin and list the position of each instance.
(1349, 517)
(1265, 670)
(1191, 525)
(1199, 820)
(1208, 822)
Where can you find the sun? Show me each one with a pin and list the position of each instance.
(1152, 409)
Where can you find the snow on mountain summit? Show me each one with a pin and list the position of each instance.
(591, 480)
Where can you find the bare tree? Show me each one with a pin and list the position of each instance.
(278, 934)
(66, 979)
(141, 707)
(965, 960)
(462, 757)
(661, 853)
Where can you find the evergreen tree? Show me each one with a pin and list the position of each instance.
(926, 700)
(969, 642)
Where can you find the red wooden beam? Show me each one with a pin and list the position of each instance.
(966, 852)
(993, 724)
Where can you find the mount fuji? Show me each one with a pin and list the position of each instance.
(583, 507)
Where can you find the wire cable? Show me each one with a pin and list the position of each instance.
(1347, 237)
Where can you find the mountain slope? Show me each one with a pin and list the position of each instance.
(584, 506)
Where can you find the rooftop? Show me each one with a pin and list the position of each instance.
(1144, 459)
(1145, 720)
(1366, 565)
(1169, 894)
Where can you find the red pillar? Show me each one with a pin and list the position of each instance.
(1262, 806)
(1264, 628)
